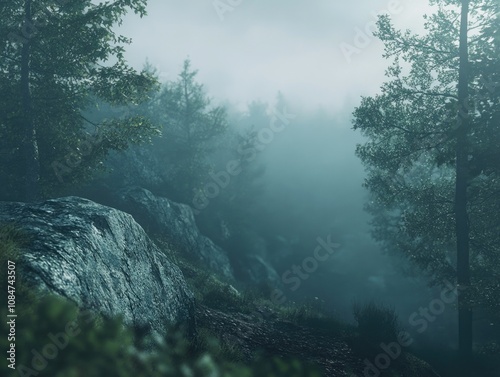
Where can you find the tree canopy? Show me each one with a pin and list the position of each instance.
(414, 138)
(58, 57)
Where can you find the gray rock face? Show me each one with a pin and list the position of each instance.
(101, 259)
(175, 222)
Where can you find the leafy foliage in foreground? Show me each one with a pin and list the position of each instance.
(56, 339)
(375, 324)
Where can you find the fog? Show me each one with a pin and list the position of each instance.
(313, 188)
(299, 160)
(312, 185)
(259, 48)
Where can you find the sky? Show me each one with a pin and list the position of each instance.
(319, 54)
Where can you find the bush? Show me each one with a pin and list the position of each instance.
(55, 339)
(97, 346)
(11, 242)
(313, 314)
(375, 324)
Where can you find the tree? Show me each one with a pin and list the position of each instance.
(237, 173)
(55, 61)
(191, 128)
(462, 230)
(428, 154)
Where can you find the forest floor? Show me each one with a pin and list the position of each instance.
(270, 336)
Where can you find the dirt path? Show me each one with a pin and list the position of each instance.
(279, 338)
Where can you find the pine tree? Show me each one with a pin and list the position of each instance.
(191, 128)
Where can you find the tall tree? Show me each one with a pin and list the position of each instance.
(191, 128)
(428, 154)
(462, 232)
(30, 143)
(55, 59)
(237, 172)
(180, 159)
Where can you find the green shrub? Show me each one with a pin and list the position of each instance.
(57, 339)
(375, 324)
(11, 239)
(11, 242)
(313, 314)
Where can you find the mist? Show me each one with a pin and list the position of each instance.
(266, 186)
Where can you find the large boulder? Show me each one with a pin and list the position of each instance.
(175, 223)
(101, 259)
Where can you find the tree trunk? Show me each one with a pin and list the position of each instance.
(461, 216)
(30, 145)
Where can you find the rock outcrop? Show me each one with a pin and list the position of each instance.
(253, 264)
(101, 259)
(174, 222)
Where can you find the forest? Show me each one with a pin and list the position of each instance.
(234, 188)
